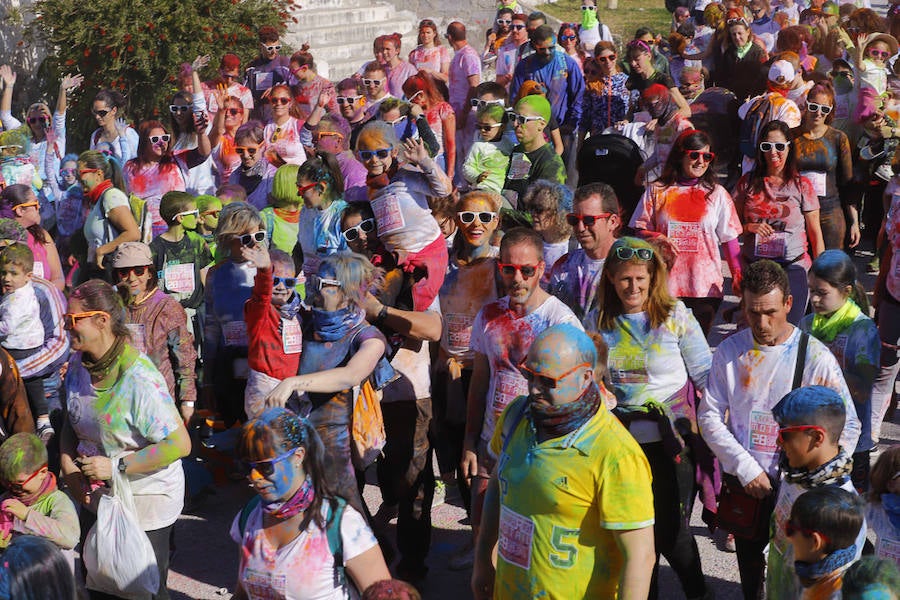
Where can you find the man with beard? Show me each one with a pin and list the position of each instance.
(569, 507)
(502, 334)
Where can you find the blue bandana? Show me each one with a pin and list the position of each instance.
(332, 325)
(810, 572)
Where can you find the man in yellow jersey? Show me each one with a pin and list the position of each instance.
(569, 507)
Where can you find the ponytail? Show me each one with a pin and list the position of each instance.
(324, 167)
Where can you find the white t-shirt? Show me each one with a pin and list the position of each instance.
(413, 364)
(505, 340)
(20, 319)
(304, 568)
(97, 228)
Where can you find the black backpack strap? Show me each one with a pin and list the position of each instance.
(335, 542)
(801, 360)
(245, 513)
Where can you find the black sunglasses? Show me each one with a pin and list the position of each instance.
(125, 271)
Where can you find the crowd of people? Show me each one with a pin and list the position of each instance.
(497, 263)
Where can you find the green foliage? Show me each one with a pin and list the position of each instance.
(137, 46)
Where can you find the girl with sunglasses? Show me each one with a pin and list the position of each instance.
(420, 90)
(696, 216)
(157, 322)
(568, 39)
(430, 56)
(18, 202)
(824, 157)
(47, 135)
(298, 537)
(226, 122)
(183, 107)
(120, 417)
(591, 31)
(307, 85)
(158, 168)
(547, 203)
(282, 133)
(488, 159)
(72, 207)
(607, 100)
(780, 211)
(320, 186)
(658, 361)
(113, 134)
(229, 285)
(256, 172)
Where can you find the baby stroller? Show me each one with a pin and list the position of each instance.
(612, 159)
(714, 112)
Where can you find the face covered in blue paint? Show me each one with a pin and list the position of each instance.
(277, 479)
(556, 369)
(324, 290)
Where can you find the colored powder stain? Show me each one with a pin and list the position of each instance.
(108, 418)
(687, 206)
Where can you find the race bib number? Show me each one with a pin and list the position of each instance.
(818, 180)
(388, 216)
(459, 331)
(628, 369)
(888, 548)
(508, 387)
(773, 246)
(763, 432)
(179, 279)
(138, 339)
(38, 269)
(262, 81)
(291, 336)
(519, 166)
(515, 536)
(685, 236)
(787, 496)
(235, 333)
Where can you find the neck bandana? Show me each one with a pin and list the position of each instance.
(98, 190)
(332, 325)
(299, 502)
(834, 472)
(827, 328)
(589, 19)
(557, 421)
(810, 572)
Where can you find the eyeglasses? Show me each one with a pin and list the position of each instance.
(234, 111)
(396, 121)
(509, 269)
(100, 113)
(627, 253)
(798, 428)
(71, 319)
(83, 172)
(212, 213)
(738, 21)
(188, 213)
(351, 234)
(266, 468)
(487, 127)
(304, 188)
(696, 155)
(568, 38)
(348, 100)
(289, 282)
(790, 529)
(251, 239)
(35, 120)
(468, 216)
(124, 272)
(34, 204)
(164, 138)
(365, 155)
(588, 8)
(321, 134)
(20, 485)
(518, 26)
(547, 381)
(523, 119)
(248, 150)
(68, 172)
(504, 21)
(177, 109)
(478, 103)
(416, 95)
(280, 100)
(323, 281)
(777, 146)
(820, 108)
(373, 82)
(588, 220)
(880, 54)
(273, 48)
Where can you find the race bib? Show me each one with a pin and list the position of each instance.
(628, 369)
(763, 432)
(773, 246)
(519, 166)
(685, 236)
(179, 278)
(388, 216)
(782, 513)
(507, 388)
(138, 339)
(262, 81)
(291, 336)
(38, 269)
(818, 180)
(888, 548)
(459, 331)
(235, 333)
(514, 539)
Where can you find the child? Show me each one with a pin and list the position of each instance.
(884, 504)
(21, 329)
(810, 421)
(231, 192)
(209, 207)
(823, 531)
(282, 217)
(871, 578)
(871, 56)
(33, 505)
(321, 186)
(71, 208)
(488, 159)
(841, 322)
(272, 326)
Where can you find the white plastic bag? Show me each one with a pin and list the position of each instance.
(117, 553)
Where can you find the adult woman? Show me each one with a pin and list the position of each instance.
(824, 157)
(309, 85)
(780, 212)
(199, 178)
(387, 52)
(120, 416)
(298, 539)
(568, 39)
(157, 322)
(430, 56)
(18, 202)
(34, 568)
(229, 285)
(221, 137)
(48, 136)
(110, 221)
(158, 168)
(320, 184)
(548, 203)
(697, 217)
(340, 351)
(639, 56)
(656, 351)
(740, 67)
(113, 134)
(607, 100)
(420, 89)
(255, 173)
(282, 132)
(841, 321)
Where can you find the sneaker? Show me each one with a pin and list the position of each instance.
(46, 432)
(729, 546)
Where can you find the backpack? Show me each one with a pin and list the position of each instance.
(758, 116)
(139, 211)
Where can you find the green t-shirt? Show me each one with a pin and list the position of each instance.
(178, 266)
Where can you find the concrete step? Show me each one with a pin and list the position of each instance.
(312, 20)
(329, 4)
(339, 33)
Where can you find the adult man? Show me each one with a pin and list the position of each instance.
(751, 371)
(352, 106)
(533, 158)
(595, 220)
(508, 53)
(535, 20)
(502, 333)
(375, 84)
(266, 70)
(569, 507)
(497, 35)
(464, 74)
(229, 72)
(564, 83)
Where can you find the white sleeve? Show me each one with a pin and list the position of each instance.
(8, 120)
(356, 535)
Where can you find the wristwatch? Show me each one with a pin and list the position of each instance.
(122, 466)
